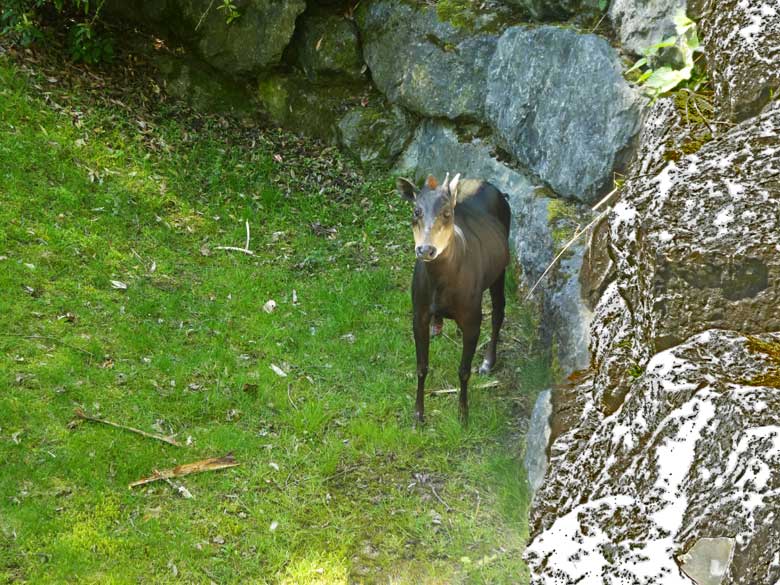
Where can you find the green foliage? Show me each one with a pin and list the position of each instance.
(230, 10)
(87, 42)
(656, 77)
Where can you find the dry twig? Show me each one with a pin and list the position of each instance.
(80, 414)
(244, 250)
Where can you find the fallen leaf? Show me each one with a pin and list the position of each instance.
(269, 306)
(118, 284)
(278, 371)
(274, 525)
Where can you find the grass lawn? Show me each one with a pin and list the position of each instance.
(115, 299)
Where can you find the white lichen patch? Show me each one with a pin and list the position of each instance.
(687, 450)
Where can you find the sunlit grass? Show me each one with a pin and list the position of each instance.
(335, 483)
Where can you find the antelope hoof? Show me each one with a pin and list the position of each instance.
(419, 420)
(485, 367)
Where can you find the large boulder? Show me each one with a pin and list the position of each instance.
(254, 40)
(742, 43)
(694, 454)
(642, 23)
(664, 468)
(423, 63)
(558, 102)
(376, 133)
(697, 246)
(327, 44)
(541, 226)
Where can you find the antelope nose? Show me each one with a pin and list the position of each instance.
(426, 252)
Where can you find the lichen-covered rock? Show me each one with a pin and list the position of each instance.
(742, 44)
(698, 246)
(558, 102)
(694, 452)
(541, 225)
(326, 44)
(643, 23)
(427, 65)
(376, 133)
(308, 108)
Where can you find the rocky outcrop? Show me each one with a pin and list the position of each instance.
(693, 453)
(640, 24)
(664, 468)
(425, 64)
(558, 102)
(743, 51)
(697, 246)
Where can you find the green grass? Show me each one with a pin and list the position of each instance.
(329, 454)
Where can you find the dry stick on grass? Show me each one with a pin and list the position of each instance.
(244, 250)
(84, 416)
(492, 384)
(213, 464)
(438, 497)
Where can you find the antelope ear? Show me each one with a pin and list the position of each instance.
(453, 186)
(406, 189)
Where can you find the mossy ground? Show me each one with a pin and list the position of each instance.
(94, 191)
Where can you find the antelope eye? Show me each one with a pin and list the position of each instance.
(417, 212)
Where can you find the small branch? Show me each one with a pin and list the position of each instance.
(563, 250)
(244, 250)
(289, 387)
(212, 464)
(202, 16)
(438, 497)
(80, 414)
(492, 384)
(235, 249)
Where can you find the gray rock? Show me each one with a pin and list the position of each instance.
(328, 44)
(742, 45)
(541, 225)
(696, 246)
(643, 23)
(694, 452)
(536, 441)
(708, 560)
(558, 102)
(427, 65)
(376, 133)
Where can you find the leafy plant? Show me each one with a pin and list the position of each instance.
(230, 10)
(23, 21)
(657, 77)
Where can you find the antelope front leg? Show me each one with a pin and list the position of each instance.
(422, 338)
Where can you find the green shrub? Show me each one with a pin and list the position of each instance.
(24, 22)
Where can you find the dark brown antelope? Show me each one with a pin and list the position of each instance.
(461, 232)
